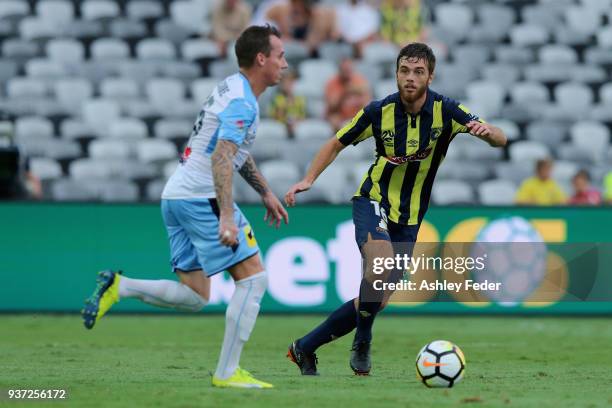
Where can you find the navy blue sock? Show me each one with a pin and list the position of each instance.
(369, 305)
(342, 321)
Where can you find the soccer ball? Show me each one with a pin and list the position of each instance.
(515, 257)
(440, 364)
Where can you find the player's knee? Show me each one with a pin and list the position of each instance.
(197, 303)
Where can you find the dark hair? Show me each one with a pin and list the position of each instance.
(252, 41)
(541, 163)
(419, 51)
(583, 173)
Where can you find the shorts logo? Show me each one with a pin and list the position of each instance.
(250, 236)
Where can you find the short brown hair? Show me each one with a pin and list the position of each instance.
(252, 41)
(419, 51)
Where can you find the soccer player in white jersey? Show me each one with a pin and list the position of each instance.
(207, 231)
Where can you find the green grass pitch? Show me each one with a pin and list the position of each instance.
(166, 361)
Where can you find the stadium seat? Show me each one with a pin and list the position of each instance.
(155, 49)
(194, 49)
(155, 150)
(489, 94)
(18, 49)
(221, 68)
(371, 72)
(510, 128)
(564, 170)
(380, 53)
(119, 191)
(270, 129)
(528, 151)
(75, 129)
(588, 73)
(172, 128)
(313, 129)
(582, 19)
(119, 89)
(171, 31)
(8, 70)
(335, 51)
(599, 5)
(45, 168)
(513, 55)
(513, 171)
(126, 29)
(386, 87)
(164, 93)
(446, 192)
(72, 190)
(505, 75)
(531, 93)
(99, 114)
(71, 93)
(90, 169)
(154, 190)
(294, 52)
(538, 14)
(25, 87)
(127, 129)
(591, 136)
(99, 9)
(574, 96)
(83, 29)
(455, 18)
(134, 170)
(144, 9)
(14, 8)
(471, 54)
(334, 184)
(65, 50)
(45, 69)
(548, 73)
(184, 71)
(526, 35)
(557, 54)
(169, 168)
(280, 174)
(58, 11)
(495, 20)
(547, 132)
(202, 88)
(33, 127)
(35, 28)
(320, 70)
(190, 14)
(497, 192)
(460, 170)
(109, 149)
(109, 49)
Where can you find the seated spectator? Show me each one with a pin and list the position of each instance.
(608, 188)
(345, 94)
(358, 23)
(402, 21)
(541, 189)
(303, 21)
(584, 193)
(286, 107)
(229, 19)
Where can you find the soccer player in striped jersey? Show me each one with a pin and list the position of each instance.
(412, 130)
(207, 231)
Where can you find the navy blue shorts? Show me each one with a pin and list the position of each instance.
(371, 219)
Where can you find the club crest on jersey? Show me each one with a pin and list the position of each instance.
(435, 133)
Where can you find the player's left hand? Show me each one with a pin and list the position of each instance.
(275, 212)
(478, 129)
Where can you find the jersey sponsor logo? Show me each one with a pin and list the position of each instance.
(418, 156)
(185, 155)
(240, 124)
(223, 88)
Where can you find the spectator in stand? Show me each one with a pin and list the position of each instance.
(608, 188)
(229, 18)
(402, 21)
(584, 193)
(358, 23)
(303, 21)
(286, 107)
(345, 94)
(541, 189)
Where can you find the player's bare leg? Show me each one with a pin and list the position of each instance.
(190, 295)
(251, 282)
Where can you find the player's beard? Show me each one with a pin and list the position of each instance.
(411, 97)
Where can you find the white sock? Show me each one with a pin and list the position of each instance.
(240, 319)
(162, 293)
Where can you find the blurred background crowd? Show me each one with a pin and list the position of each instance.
(98, 97)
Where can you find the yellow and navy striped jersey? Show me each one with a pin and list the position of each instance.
(409, 150)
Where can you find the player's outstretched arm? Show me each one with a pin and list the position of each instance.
(326, 155)
(493, 135)
(222, 169)
(275, 212)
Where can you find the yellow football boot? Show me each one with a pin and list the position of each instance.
(240, 379)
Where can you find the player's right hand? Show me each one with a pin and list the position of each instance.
(228, 231)
(296, 188)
